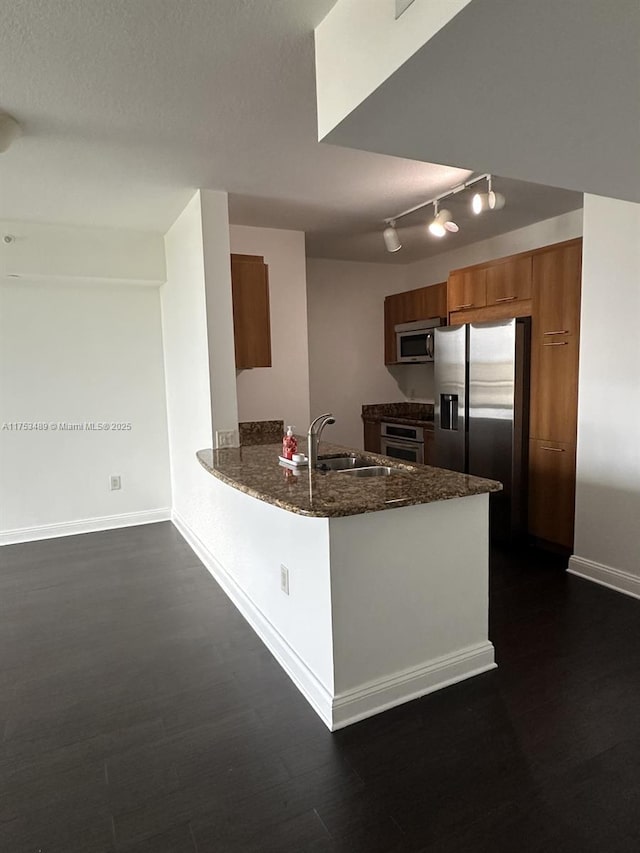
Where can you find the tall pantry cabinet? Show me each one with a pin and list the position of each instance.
(554, 392)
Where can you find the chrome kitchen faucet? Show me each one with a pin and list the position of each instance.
(313, 436)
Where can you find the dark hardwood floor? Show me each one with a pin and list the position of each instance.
(140, 713)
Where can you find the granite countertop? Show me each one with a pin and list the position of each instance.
(256, 471)
(411, 414)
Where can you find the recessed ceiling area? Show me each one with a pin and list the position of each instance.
(127, 108)
(347, 235)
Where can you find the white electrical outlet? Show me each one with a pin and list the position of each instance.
(227, 438)
(284, 579)
(115, 482)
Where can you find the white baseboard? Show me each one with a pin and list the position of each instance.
(385, 693)
(305, 680)
(365, 701)
(605, 575)
(85, 525)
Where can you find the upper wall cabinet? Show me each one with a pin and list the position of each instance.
(251, 316)
(557, 292)
(421, 304)
(467, 290)
(509, 281)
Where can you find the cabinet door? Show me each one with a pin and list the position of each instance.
(554, 389)
(251, 317)
(431, 301)
(420, 304)
(467, 289)
(428, 447)
(552, 491)
(393, 308)
(555, 344)
(372, 436)
(556, 289)
(509, 282)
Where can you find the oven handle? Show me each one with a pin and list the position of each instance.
(418, 438)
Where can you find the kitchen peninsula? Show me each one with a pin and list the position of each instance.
(369, 591)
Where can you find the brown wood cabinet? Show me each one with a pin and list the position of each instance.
(545, 285)
(510, 281)
(251, 316)
(555, 344)
(554, 389)
(467, 289)
(428, 446)
(372, 436)
(552, 478)
(556, 285)
(553, 422)
(420, 304)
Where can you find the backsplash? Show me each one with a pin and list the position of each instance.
(411, 410)
(415, 381)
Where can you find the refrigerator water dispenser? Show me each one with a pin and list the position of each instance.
(449, 411)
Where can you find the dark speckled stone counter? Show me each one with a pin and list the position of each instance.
(256, 471)
(411, 414)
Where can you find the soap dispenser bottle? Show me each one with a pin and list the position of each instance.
(289, 444)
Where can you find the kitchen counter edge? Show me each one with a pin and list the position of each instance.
(260, 475)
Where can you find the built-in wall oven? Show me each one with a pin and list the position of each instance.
(401, 441)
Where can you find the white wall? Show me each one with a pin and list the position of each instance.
(346, 314)
(279, 392)
(76, 351)
(346, 341)
(186, 356)
(607, 537)
(359, 44)
(57, 252)
(219, 305)
(197, 328)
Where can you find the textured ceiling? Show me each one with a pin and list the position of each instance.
(129, 105)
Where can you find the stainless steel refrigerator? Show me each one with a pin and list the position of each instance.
(481, 413)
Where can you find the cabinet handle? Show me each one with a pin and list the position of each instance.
(460, 307)
(553, 449)
(556, 344)
(506, 299)
(560, 332)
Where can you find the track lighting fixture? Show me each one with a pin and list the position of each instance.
(488, 200)
(391, 239)
(442, 220)
(9, 130)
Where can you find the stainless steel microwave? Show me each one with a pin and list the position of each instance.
(415, 341)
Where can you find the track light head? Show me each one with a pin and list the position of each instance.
(496, 201)
(488, 200)
(451, 226)
(391, 239)
(442, 222)
(480, 202)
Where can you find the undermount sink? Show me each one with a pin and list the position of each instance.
(369, 471)
(354, 465)
(347, 462)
